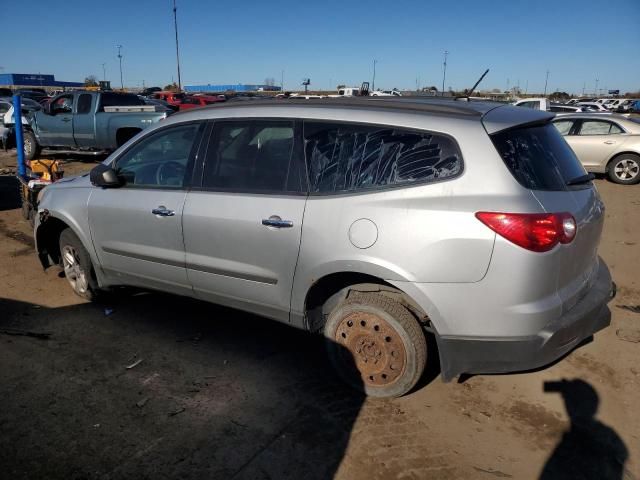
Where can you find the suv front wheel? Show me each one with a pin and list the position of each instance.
(376, 345)
(77, 265)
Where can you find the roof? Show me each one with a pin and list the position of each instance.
(495, 116)
(413, 104)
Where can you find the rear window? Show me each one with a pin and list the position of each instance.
(538, 157)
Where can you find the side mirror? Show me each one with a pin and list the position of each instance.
(104, 176)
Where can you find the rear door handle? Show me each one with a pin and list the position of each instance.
(609, 142)
(163, 211)
(277, 222)
(66, 119)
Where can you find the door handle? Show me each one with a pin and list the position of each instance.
(163, 211)
(609, 142)
(277, 222)
(66, 119)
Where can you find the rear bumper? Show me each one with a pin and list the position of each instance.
(510, 354)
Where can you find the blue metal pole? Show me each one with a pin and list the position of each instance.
(17, 115)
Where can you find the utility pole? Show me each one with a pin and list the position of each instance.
(175, 25)
(104, 72)
(373, 84)
(526, 88)
(444, 71)
(595, 92)
(282, 80)
(546, 80)
(584, 85)
(119, 47)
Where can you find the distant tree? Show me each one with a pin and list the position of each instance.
(270, 81)
(559, 96)
(91, 81)
(340, 86)
(172, 87)
(495, 90)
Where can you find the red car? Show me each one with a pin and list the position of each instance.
(185, 102)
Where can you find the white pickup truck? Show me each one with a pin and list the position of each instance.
(546, 105)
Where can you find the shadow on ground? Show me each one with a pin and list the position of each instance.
(590, 449)
(9, 193)
(210, 393)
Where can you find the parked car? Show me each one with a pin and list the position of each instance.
(147, 92)
(609, 145)
(160, 104)
(6, 92)
(385, 93)
(592, 107)
(193, 101)
(34, 94)
(174, 98)
(7, 118)
(88, 122)
(545, 104)
(368, 221)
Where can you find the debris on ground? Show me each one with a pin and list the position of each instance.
(628, 335)
(631, 308)
(108, 311)
(495, 473)
(134, 364)
(142, 402)
(25, 333)
(176, 412)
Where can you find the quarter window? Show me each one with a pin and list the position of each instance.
(253, 156)
(563, 126)
(160, 160)
(344, 158)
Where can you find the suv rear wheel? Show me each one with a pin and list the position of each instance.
(376, 345)
(625, 169)
(77, 265)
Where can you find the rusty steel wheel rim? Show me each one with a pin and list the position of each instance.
(376, 347)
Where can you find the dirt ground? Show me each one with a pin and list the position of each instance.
(216, 393)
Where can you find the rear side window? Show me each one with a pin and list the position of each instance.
(598, 127)
(253, 156)
(84, 103)
(538, 157)
(346, 158)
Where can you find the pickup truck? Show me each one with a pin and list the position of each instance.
(87, 122)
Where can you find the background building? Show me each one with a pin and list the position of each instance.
(34, 80)
(227, 88)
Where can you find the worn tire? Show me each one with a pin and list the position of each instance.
(375, 344)
(615, 169)
(31, 147)
(81, 264)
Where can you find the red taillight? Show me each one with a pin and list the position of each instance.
(538, 232)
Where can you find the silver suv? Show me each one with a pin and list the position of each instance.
(377, 222)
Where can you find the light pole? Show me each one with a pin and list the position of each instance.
(444, 71)
(595, 92)
(175, 25)
(546, 80)
(282, 80)
(104, 72)
(119, 47)
(373, 84)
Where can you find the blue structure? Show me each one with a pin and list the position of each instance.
(34, 80)
(236, 88)
(17, 115)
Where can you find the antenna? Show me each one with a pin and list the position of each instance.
(474, 87)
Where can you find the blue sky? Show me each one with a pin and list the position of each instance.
(331, 42)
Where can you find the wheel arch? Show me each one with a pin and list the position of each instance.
(47, 237)
(333, 287)
(619, 154)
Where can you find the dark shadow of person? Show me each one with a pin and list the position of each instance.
(590, 449)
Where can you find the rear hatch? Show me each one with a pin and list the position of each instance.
(541, 161)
